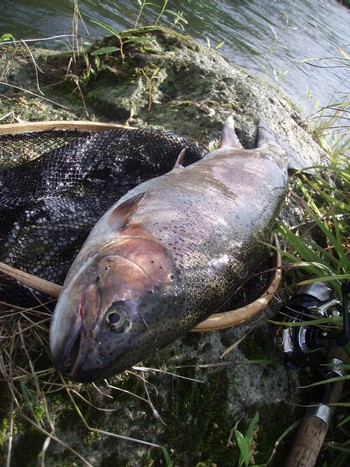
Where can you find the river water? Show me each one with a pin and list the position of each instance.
(294, 44)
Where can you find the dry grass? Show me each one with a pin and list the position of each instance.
(36, 394)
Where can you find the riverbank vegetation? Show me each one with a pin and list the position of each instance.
(319, 244)
(318, 240)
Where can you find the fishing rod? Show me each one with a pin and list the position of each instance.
(299, 335)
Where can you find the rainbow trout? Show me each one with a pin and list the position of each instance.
(167, 255)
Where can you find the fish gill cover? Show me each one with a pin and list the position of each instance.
(55, 185)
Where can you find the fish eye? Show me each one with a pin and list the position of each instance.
(117, 319)
(114, 318)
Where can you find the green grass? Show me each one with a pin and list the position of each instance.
(322, 236)
(318, 247)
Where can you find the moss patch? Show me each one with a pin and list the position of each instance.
(199, 421)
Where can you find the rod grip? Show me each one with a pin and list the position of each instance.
(315, 423)
(308, 442)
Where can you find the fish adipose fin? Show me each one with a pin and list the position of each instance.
(120, 215)
(228, 135)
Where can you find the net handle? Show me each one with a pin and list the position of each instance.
(14, 128)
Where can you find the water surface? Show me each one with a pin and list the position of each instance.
(270, 38)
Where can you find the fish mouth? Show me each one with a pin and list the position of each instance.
(68, 336)
(70, 350)
(72, 355)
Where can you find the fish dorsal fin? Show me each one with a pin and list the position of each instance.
(180, 160)
(228, 135)
(121, 213)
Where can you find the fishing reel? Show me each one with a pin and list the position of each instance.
(309, 303)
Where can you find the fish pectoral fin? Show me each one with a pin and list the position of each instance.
(180, 160)
(120, 215)
(228, 135)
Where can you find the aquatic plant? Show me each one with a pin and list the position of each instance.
(177, 16)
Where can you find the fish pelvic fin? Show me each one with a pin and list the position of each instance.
(121, 214)
(228, 135)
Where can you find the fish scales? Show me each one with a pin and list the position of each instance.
(211, 222)
(166, 256)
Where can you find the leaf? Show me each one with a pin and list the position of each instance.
(105, 50)
(106, 26)
(219, 45)
(7, 37)
(344, 54)
(168, 460)
(344, 421)
(243, 447)
(251, 427)
(178, 16)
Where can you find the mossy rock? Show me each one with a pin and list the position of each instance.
(156, 78)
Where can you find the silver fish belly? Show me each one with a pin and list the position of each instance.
(166, 256)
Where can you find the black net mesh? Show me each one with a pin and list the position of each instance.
(55, 185)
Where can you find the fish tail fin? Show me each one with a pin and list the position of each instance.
(264, 135)
(297, 157)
